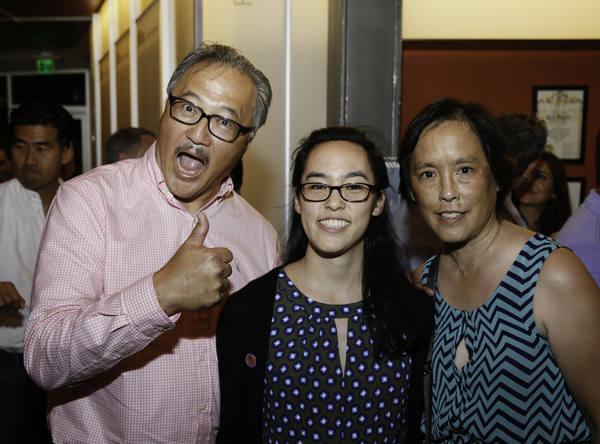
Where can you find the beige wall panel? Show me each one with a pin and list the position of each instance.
(104, 24)
(104, 103)
(142, 5)
(258, 29)
(123, 82)
(123, 17)
(184, 28)
(500, 19)
(149, 94)
(308, 67)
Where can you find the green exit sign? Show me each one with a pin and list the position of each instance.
(45, 66)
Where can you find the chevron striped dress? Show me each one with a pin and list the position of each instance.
(511, 391)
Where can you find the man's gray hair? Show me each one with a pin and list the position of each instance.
(215, 54)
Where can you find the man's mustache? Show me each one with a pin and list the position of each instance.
(198, 151)
(30, 169)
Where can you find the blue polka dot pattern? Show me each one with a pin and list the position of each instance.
(308, 397)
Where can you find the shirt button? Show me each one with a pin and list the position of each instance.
(118, 356)
(203, 407)
(201, 358)
(160, 329)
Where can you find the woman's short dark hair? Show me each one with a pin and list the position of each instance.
(207, 54)
(399, 316)
(483, 125)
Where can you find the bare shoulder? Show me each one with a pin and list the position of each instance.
(515, 235)
(512, 239)
(562, 267)
(565, 288)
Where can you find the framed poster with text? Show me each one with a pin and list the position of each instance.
(563, 108)
(576, 186)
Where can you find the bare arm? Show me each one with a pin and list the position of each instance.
(567, 311)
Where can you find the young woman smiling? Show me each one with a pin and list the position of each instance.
(330, 347)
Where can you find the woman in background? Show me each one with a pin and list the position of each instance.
(545, 203)
(329, 347)
(516, 351)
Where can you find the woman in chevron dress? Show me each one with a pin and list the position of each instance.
(328, 348)
(516, 349)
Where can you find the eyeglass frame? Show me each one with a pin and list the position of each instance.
(241, 128)
(339, 190)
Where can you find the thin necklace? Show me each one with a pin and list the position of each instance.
(463, 271)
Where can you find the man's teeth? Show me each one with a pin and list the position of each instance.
(334, 223)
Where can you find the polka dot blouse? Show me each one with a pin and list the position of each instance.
(309, 397)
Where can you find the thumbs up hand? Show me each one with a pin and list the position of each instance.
(196, 276)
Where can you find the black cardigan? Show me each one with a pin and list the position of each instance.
(242, 348)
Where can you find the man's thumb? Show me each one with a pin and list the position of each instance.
(199, 232)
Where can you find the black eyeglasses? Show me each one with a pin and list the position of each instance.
(221, 127)
(350, 192)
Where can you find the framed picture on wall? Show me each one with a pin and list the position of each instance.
(563, 108)
(576, 186)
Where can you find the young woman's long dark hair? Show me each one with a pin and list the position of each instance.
(399, 316)
(558, 209)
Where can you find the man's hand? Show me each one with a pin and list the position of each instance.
(195, 277)
(525, 180)
(415, 279)
(10, 299)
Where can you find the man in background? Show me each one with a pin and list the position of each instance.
(128, 143)
(525, 138)
(581, 232)
(40, 146)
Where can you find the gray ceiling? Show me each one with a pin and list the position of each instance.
(48, 8)
(30, 28)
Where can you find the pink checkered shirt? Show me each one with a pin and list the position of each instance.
(120, 370)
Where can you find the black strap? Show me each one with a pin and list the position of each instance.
(427, 376)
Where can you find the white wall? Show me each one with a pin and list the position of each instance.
(501, 19)
(159, 33)
(287, 40)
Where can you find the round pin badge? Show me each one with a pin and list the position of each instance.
(250, 360)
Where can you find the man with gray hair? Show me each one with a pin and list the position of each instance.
(137, 257)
